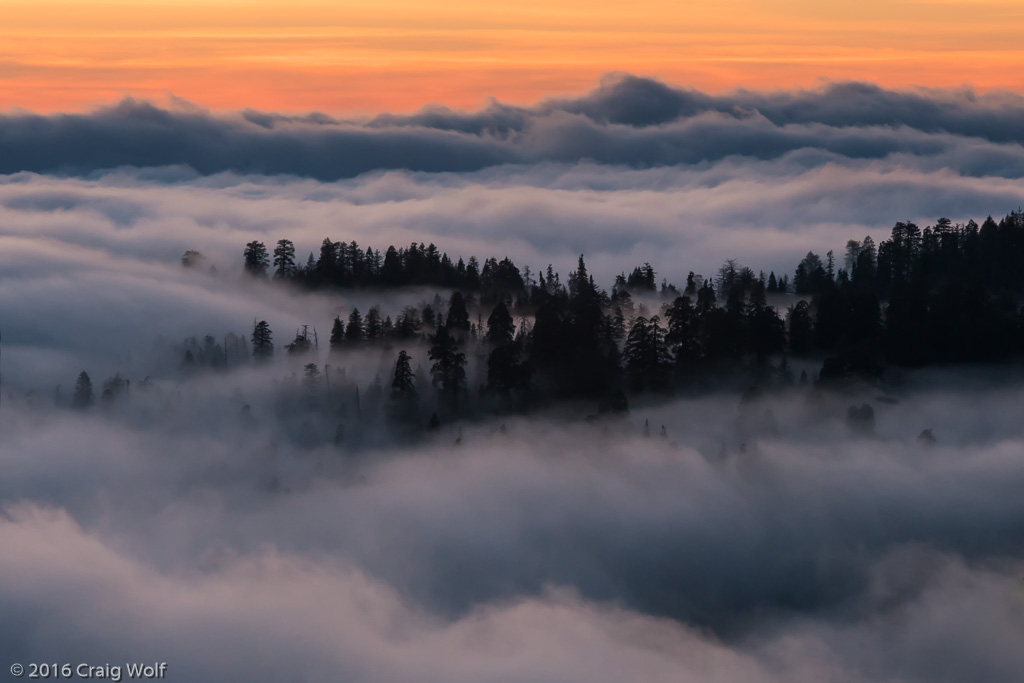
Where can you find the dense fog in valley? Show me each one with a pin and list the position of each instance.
(845, 510)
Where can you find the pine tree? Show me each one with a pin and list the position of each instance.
(691, 285)
(506, 370)
(801, 328)
(256, 259)
(375, 327)
(500, 326)
(337, 335)
(458, 316)
(682, 336)
(354, 332)
(83, 396)
(301, 344)
(646, 353)
(262, 342)
(408, 323)
(766, 332)
(311, 379)
(284, 260)
(403, 386)
(449, 369)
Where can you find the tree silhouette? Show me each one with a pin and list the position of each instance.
(83, 396)
(448, 371)
(408, 323)
(301, 344)
(374, 326)
(192, 259)
(284, 260)
(256, 259)
(403, 385)
(646, 354)
(500, 326)
(354, 332)
(458, 316)
(311, 378)
(947, 293)
(337, 335)
(262, 342)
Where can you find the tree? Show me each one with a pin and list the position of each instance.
(403, 386)
(548, 338)
(83, 396)
(262, 342)
(375, 327)
(682, 335)
(458, 316)
(500, 326)
(506, 370)
(853, 248)
(114, 388)
(327, 264)
(192, 259)
(801, 329)
(449, 369)
(354, 333)
(408, 323)
(691, 284)
(337, 335)
(301, 344)
(311, 378)
(402, 403)
(284, 260)
(766, 333)
(646, 354)
(256, 259)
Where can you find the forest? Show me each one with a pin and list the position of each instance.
(494, 339)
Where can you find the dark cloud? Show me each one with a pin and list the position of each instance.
(627, 120)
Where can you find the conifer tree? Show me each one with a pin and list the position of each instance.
(449, 369)
(83, 396)
(403, 385)
(262, 342)
(458, 316)
(337, 335)
(256, 259)
(500, 326)
(354, 332)
(284, 260)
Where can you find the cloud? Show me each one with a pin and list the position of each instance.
(626, 121)
(517, 558)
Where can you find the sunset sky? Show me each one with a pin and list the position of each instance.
(351, 57)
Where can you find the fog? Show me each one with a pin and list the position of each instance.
(235, 554)
(236, 525)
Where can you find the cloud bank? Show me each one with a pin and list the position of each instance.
(626, 121)
(816, 556)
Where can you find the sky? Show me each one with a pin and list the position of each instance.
(397, 55)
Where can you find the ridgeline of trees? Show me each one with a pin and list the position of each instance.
(945, 294)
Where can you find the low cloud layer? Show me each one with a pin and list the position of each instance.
(626, 121)
(814, 556)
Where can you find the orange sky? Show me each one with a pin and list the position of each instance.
(367, 56)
